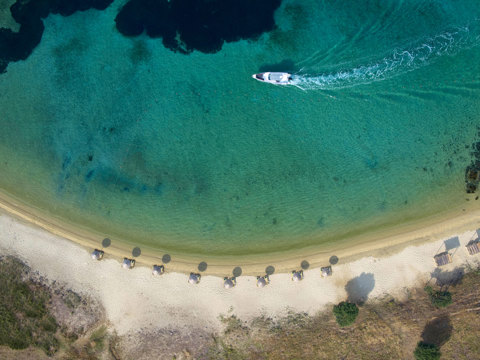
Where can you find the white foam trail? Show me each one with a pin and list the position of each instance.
(400, 61)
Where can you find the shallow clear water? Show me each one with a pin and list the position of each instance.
(189, 153)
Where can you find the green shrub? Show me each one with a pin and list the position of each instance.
(426, 351)
(24, 317)
(345, 313)
(98, 337)
(49, 324)
(17, 343)
(439, 299)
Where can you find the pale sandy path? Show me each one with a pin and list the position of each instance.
(136, 300)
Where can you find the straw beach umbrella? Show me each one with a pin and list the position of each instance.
(326, 271)
(229, 283)
(262, 281)
(158, 269)
(97, 254)
(194, 278)
(128, 263)
(297, 275)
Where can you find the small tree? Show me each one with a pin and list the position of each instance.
(426, 351)
(345, 313)
(439, 299)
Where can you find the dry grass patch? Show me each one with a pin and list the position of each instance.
(384, 329)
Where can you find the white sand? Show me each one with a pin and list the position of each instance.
(134, 299)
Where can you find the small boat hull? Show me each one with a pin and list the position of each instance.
(275, 78)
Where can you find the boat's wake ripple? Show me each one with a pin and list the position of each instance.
(399, 62)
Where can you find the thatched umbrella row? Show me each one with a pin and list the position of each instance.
(194, 278)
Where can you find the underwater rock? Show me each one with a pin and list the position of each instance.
(203, 25)
(471, 188)
(15, 46)
(183, 25)
(472, 172)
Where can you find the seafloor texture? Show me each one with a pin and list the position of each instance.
(187, 152)
(28, 14)
(203, 25)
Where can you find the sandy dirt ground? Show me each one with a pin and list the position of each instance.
(135, 300)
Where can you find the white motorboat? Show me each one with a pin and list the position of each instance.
(276, 78)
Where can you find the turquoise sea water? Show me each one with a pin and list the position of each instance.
(189, 153)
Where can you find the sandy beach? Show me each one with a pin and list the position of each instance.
(378, 242)
(137, 300)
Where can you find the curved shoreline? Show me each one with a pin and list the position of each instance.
(379, 243)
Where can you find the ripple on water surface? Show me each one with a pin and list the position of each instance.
(183, 151)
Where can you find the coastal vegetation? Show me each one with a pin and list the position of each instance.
(439, 298)
(39, 320)
(345, 313)
(24, 318)
(41, 317)
(388, 328)
(426, 351)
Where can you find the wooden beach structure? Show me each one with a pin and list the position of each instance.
(97, 254)
(128, 263)
(326, 271)
(158, 269)
(229, 283)
(297, 275)
(194, 278)
(443, 258)
(473, 247)
(263, 281)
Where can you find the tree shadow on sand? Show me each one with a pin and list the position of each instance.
(438, 330)
(358, 288)
(447, 278)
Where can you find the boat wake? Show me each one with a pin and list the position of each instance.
(398, 62)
